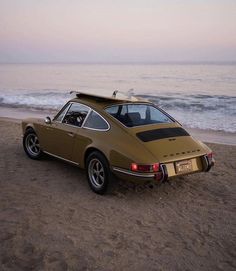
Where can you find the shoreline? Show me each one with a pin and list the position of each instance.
(209, 136)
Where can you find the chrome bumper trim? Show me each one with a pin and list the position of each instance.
(145, 175)
(208, 164)
(128, 172)
(164, 173)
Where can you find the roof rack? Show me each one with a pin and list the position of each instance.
(127, 96)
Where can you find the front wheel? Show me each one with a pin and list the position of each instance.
(98, 172)
(31, 144)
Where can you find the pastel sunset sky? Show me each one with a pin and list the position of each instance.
(117, 31)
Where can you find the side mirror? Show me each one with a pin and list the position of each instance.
(48, 120)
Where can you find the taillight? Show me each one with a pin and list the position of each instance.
(155, 167)
(210, 158)
(134, 167)
(145, 168)
(210, 155)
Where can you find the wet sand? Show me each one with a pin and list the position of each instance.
(50, 219)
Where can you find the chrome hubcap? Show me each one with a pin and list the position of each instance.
(32, 144)
(96, 173)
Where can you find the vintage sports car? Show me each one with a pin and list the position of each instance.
(131, 138)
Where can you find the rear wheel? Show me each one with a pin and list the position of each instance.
(31, 144)
(98, 172)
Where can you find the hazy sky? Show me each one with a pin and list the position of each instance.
(117, 31)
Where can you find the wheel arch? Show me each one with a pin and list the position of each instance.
(32, 152)
(91, 149)
(28, 126)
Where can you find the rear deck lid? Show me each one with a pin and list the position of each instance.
(169, 143)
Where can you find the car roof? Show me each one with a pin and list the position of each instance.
(100, 102)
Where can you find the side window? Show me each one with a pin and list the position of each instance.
(61, 114)
(76, 114)
(94, 121)
(112, 110)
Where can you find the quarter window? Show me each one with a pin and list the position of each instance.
(95, 121)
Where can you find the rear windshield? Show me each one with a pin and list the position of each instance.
(138, 114)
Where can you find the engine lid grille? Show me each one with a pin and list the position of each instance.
(157, 134)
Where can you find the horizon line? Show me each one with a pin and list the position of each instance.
(193, 62)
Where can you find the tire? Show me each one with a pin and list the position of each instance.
(31, 145)
(98, 172)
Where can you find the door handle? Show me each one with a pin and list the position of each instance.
(71, 134)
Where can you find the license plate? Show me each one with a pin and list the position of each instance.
(183, 166)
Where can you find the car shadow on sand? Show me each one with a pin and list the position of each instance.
(117, 187)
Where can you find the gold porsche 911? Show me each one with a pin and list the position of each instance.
(130, 138)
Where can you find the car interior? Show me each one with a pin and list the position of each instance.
(75, 118)
(140, 115)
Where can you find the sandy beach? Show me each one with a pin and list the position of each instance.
(50, 219)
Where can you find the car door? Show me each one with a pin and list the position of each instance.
(60, 140)
(61, 133)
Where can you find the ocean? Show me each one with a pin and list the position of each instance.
(197, 95)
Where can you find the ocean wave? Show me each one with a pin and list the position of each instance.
(35, 100)
(195, 103)
(216, 112)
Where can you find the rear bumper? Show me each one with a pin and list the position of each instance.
(202, 163)
(160, 176)
(207, 163)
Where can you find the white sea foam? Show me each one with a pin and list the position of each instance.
(201, 96)
(194, 111)
(45, 100)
